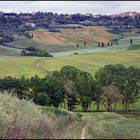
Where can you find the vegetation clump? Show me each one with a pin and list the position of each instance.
(32, 51)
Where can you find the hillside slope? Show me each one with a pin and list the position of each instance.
(7, 51)
(91, 34)
(88, 59)
(20, 119)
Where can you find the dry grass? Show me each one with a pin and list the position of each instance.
(20, 119)
(92, 35)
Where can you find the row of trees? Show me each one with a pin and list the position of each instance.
(101, 44)
(127, 80)
(71, 86)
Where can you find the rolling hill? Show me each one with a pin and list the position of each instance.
(7, 51)
(91, 34)
(44, 122)
(22, 42)
(88, 59)
(65, 40)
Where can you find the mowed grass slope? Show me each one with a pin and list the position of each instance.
(93, 62)
(24, 42)
(15, 66)
(92, 35)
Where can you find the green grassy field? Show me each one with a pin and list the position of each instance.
(15, 66)
(7, 51)
(106, 125)
(134, 47)
(28, 65)
(92, 62)
(88, 59)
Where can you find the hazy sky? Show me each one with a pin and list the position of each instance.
(94, 7)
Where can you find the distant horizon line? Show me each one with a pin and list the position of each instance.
(33, 12)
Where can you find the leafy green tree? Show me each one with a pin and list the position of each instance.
(23, 53)
(79, 86)
(131, 41)
(126, 79)
(26, 94)
(69, 72)
(110, 95)
(85, 87)
(130, 87)
(11, 84)
(71, 94)
(97, 95)
(109, 74)
(67, 76)
(41, 99)
(54, 88)
(35, 83)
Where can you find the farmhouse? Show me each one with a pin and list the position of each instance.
(30, 24)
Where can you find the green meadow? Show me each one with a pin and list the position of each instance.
(8, 51)
(30, 66)
(89, 59)
(93, 62)
(15, 66)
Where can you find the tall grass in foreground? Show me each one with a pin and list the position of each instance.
(20, 119)
(67, 125)
(126, 129)
(111, 126)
